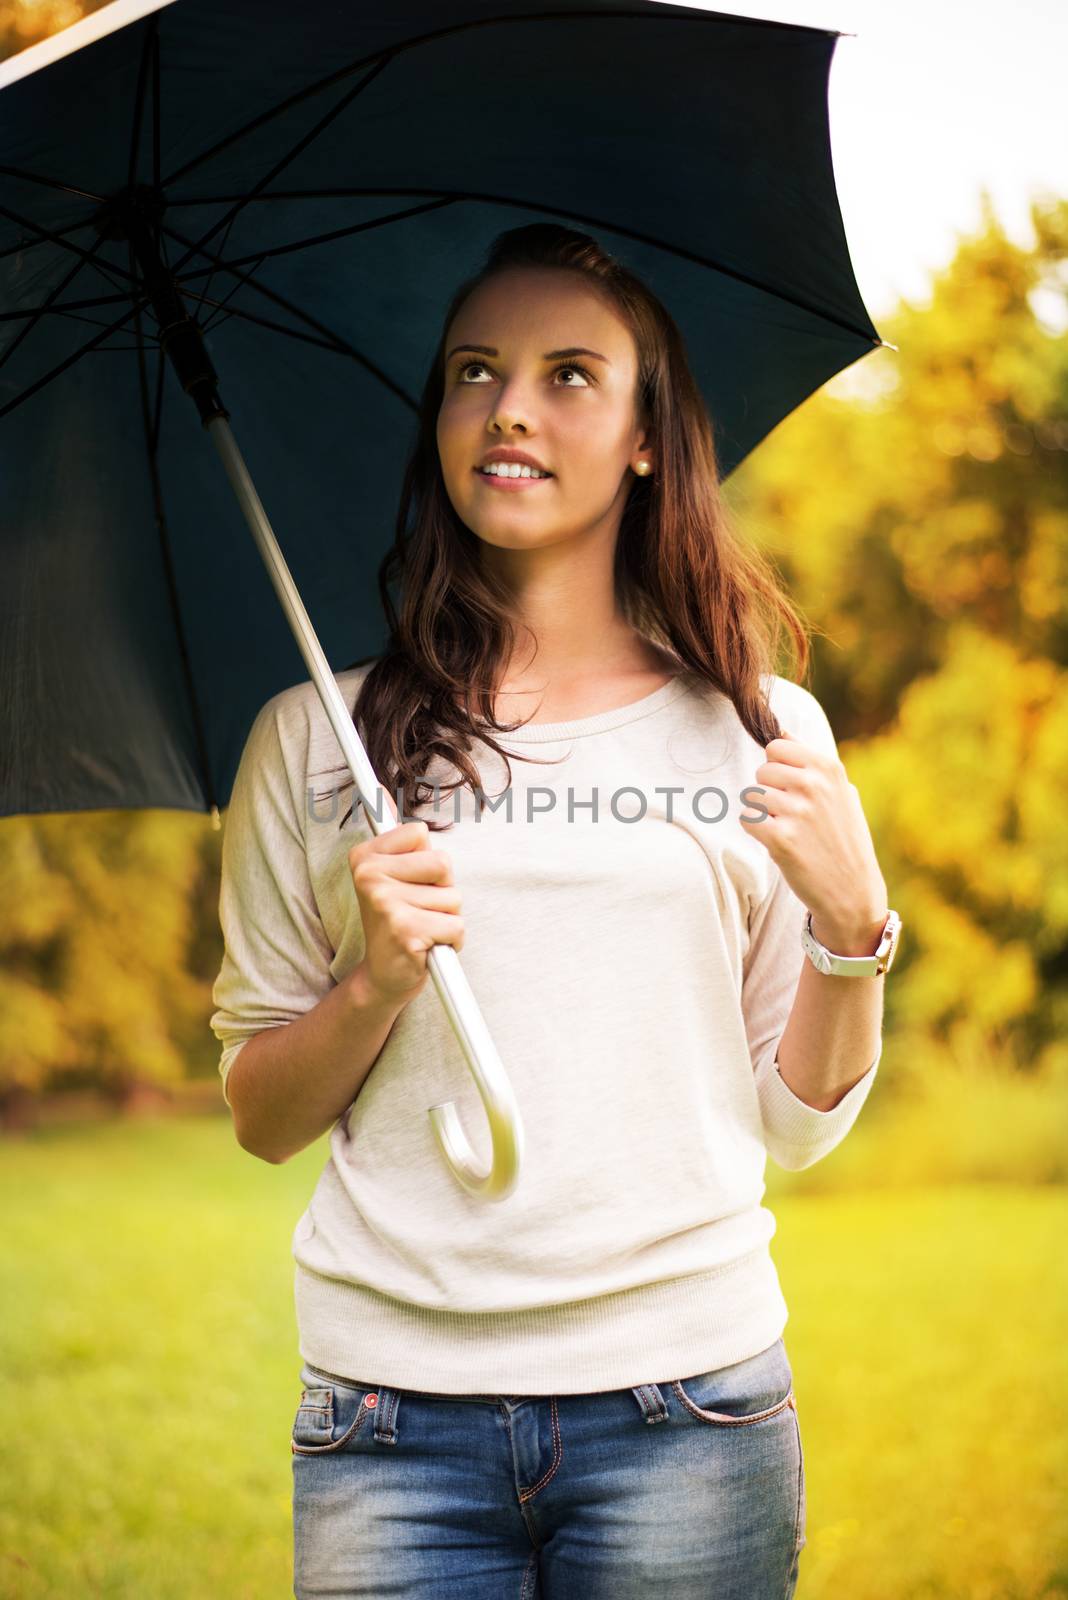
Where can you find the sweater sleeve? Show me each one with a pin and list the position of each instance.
(795, 1134)
(276, 960)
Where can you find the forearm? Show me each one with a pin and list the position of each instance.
(289, 1084)
(833, 1030)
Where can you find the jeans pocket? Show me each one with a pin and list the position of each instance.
(330, 1415)
(742, 1395)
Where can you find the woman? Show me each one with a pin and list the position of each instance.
(479, 1378)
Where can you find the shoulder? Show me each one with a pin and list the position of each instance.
(291, 736)
(298, 712)
(785, 696)
(799, 712)
(795, 706)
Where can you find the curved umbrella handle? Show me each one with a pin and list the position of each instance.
(496, 1181)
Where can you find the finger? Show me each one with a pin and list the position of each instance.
(777, 802)
(413, 866)
(431, 896)
(408, 836)
(787, 749)
(431, 927)
(777, 774)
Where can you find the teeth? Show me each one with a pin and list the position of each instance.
(511, 469)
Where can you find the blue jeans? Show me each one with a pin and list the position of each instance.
(693, 1488)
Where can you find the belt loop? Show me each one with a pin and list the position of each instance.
(651, 1402)
(385, 1405)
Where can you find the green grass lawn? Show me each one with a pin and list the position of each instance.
(149, 1372)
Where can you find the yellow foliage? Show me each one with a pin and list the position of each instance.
(922, 525)
(97, 947)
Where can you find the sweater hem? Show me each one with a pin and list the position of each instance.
(654, 1333)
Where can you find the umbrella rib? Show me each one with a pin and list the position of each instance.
(65, 244)
(157, 419)
(35, 244)
(139, 104)
(279, 166)
(51, 183)
(156, 136)
(77, 356)
(41, 311)
(211, 274)
(221, 305)
(453, 196)
(340, 345)
(66, 308)
(261, 322)
(69, 307)
(151, 440)
(339, 233)
(461, 27)
(92, 322)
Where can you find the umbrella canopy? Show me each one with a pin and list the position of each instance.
(320, 178)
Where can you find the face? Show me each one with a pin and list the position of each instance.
(575, 415)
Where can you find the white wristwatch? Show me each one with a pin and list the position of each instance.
(825, 960)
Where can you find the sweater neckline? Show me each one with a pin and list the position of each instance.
(600, 721)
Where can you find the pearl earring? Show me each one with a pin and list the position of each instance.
(642, 468)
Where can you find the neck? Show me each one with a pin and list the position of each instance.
(569, 629)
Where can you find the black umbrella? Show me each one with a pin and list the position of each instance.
(264, 208)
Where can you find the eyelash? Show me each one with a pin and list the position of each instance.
(563, 366)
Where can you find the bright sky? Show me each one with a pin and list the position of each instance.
(932, 100)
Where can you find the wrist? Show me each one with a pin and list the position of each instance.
(860, 937)
(366, 998)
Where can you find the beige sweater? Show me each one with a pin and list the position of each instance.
(635, 972)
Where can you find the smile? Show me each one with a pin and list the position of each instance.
(509, 485)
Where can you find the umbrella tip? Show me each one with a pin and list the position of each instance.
(215, 821)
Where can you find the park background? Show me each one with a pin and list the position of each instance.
(917, 507)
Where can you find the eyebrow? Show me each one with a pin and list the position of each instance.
(550, 355)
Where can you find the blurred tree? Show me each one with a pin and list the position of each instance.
(103, 973)
(924, 523)
(24, 22)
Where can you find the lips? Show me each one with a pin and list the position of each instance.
(510, 457)
(507, 485)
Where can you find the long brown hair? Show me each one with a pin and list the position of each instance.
(683, 577)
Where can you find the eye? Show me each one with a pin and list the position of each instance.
(572, 366)
(566, 366)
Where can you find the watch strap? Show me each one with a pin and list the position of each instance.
(833, 965)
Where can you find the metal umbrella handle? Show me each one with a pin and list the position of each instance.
(502, 1111)
(181, 340)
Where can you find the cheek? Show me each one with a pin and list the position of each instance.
(449, 452)
(453, 434)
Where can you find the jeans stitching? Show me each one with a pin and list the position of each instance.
(653, 1399)
(721, 1419)
(530, 1577)
(558, 1456)
(335, 1444)
(798, 1530)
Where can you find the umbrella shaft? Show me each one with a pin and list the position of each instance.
(497, 1180)
(180, 336)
